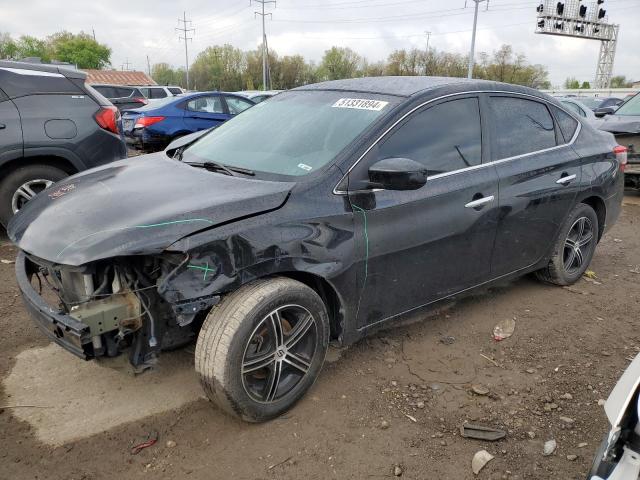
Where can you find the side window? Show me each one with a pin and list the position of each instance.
(106, 91)
(123, 92)
(520, 126)
(566, 122)
(157, 93)
(237, 105)
(206, 105)
(444, 137)
(175, 91)
(144, 91)
(574, 108)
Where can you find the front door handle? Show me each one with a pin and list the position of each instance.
(566, 179)
(480, 202)
(2, 126)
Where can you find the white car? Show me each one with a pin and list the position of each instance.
(156, 92)
(618, 457)
(258, 95)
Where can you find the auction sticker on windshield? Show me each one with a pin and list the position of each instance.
(360, 104)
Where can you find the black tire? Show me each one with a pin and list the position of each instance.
(565, 268)
(19, 177)
(237, 337)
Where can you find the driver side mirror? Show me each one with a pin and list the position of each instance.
(602, 111)
(397, 174)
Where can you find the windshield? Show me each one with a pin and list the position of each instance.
(293, 134)
(591, 102)
(630, 107)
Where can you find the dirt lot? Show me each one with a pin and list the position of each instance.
(396, 399)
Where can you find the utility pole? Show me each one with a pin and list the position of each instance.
(265, 52)
(94, 33)
(125, 65)
(428, 34)
(148, 66)
(185, 31)
(473, 35)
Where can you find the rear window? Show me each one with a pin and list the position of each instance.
(18, 82)
(521, 126)
(157, 93)
(566, 122)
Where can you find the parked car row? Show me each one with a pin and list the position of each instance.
(154, 126)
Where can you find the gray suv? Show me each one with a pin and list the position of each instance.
(52, 125)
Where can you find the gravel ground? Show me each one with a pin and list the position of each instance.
(391, 404)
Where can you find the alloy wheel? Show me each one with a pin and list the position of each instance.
(578, 242)
(279, 353)
(27, 191)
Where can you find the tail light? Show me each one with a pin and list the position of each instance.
(107, 118)
(141, 100)
(147, 121)
(621, 156)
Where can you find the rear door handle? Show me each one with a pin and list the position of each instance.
(566, 179)
(480, 202)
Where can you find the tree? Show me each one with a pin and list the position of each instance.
(81, 50)
(164, 74)
(507, 66)
(219, 68)
(571, 83)
(339, 62)
(585, 85)
(28, 46)
(8, 47)
(620, 81)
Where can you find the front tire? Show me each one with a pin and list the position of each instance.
(574, 248)
(262, 347)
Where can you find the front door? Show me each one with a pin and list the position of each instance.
(205, 112)
(539, 178)
(421, 245)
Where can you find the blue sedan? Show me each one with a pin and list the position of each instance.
(154, 126)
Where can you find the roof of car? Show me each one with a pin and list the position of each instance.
(42, 67)
(406, 86)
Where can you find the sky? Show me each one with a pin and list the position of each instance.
(373, 28)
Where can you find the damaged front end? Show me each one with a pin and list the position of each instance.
(110, 306)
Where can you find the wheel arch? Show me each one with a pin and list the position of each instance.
(598, 205)
(54, 160)
(327, 293)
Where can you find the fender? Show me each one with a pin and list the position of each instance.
(60, 152)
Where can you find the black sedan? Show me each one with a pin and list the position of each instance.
(326, 213)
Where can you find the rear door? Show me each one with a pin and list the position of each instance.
(422, 245)
(10, 130)
(204, 112)
(237, 105)
(539, 176)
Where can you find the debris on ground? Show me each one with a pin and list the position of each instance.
(397, 471)
(447, 340)
(504, 329)
(480, 459)
(481, 432)
(384, 425)
(590, 274)
(479, 389)
(6, 262)
(549, 447)
(170, 444)
(572, 458)
(151, 440)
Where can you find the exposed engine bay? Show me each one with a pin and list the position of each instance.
(118, 305)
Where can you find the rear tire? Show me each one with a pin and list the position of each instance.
(262, 347)
(574, 248)
(21, 182)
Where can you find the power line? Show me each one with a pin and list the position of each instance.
(265, 52)
(185, 30)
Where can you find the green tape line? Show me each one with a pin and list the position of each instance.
(205, 269)
(152, 225)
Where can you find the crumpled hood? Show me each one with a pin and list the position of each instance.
(620, 124)
(136, 206)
